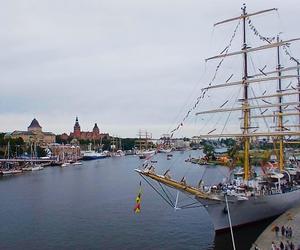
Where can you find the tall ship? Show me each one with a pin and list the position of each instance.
(267, 106)
(144, 145)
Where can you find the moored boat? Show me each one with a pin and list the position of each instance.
(37, 168)
(76, 163)
(92, 155)
(145, 154)
(11, 172)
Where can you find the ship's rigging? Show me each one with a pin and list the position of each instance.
(267, 105)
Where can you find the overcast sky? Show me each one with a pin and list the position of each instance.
(126, 64)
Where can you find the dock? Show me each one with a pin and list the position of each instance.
(290, 218)
(14, 160)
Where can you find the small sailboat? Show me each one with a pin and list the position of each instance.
(77, 163)
(37, 167)
(65, 164)
(169, 156)
(145, 151)
(10, 168)
(119, 153)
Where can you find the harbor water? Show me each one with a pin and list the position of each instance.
(91, 207)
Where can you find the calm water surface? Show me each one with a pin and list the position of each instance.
(91, 207)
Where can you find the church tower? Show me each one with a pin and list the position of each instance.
(77, 131)
(96, 132)
(96, 129)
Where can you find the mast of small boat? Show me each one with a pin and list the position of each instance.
(31, 152)
(8, 147)
(112, 144)
(140, 138)
(246, 109)
(146, 140)
(280, 123)
(35, 150)
(120, 143)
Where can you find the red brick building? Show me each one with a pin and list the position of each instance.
(82, 135)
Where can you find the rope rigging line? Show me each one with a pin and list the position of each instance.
(193, 203)
(285, 48)
(256, 33)
(177, 158)
(264, 92)
(203, 174)
(170, 193)
(186, 172)
(166, 194)
(195, 86)
(230, 111)
(194, 90)
(201, 205)
(204, 91)
(168, 200)
(261, 111)
(220, 118)
(157, 191)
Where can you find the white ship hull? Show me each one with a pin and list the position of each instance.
(146, 154)
(10, 172)
(37, 168)
(93, 155)
(244, 212)
(77, 163)
(168, 150)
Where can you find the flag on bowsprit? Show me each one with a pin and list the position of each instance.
(137, 207)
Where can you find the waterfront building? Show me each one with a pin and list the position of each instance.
(34, 134)
(67, 152)
(86, 135)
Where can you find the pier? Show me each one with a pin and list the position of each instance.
(291, 218)
(14, 160)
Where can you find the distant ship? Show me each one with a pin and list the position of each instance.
(248, 195)
(145, 154)
(145, 150)
(92, 154)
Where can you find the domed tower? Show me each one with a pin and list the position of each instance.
(77, 130)
(34, 126)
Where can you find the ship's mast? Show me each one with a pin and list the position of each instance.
(245, 101)
(298, 78)
(246, 108)
(280, 123)
(298, 83)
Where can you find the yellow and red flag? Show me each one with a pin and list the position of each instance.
(137, 207)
